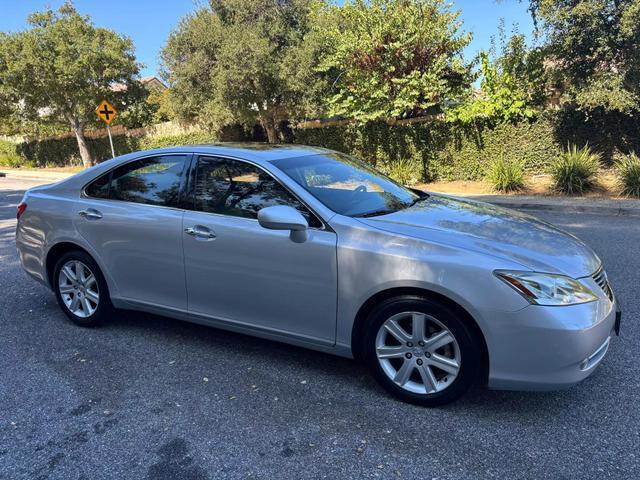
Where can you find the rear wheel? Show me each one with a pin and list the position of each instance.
(81, 290)
(421, 351)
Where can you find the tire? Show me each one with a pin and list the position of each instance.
(93, 305)
(450, 351)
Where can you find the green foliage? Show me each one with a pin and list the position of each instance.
(628, 170)
(594, 50)
(236, 61)
(524, 65)
(406, 171)
(512, 85)
(162, 105)
(194, 138)
(379, 144)
(574, 171)
(8, 155)
(135, 109)
(500, 99)
(465, 151)
(441, 151)
(389, 58)
(505, 175)
(62, 151)
(59, 69)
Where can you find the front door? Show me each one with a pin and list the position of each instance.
(240, 272)
(129, 217)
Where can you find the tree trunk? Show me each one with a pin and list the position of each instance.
(85, 154)
(270, 127)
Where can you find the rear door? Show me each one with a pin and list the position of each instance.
(241, 272)
(132, 218)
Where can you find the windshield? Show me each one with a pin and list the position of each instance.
(346, 185)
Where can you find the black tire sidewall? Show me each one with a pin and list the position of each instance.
(104, 304)
(469, 349)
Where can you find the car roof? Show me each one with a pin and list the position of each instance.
(259, 152)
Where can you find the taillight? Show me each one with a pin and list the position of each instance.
(20, 209)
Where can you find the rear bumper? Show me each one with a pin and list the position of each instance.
(546, 348)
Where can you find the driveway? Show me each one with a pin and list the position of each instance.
(150, 397)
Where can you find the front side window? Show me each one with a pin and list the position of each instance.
(240, 189)
(346, 185)
(153, 181)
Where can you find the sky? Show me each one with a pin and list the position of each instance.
(149, 22)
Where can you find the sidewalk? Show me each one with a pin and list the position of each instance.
(45, 176)
(603, 206)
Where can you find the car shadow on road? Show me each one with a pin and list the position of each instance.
(348, 373)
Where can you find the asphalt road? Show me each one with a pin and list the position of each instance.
(150, 397)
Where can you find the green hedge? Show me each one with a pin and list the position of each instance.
(466, 155)
(410, 153)
(58, 152)
(445, 152)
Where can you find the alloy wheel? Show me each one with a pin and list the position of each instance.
(78, 288)
(418, 352)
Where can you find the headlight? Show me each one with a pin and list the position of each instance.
(547, 288)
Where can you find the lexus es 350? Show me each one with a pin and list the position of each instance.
(314, 248)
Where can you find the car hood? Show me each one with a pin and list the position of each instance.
(492, 230)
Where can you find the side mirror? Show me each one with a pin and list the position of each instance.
(282, 217)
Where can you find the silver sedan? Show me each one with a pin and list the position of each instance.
(314, 248)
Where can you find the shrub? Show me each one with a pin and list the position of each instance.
(506, 175)
(628, 170)
(575, 169)
(405, 171)
(8, 154)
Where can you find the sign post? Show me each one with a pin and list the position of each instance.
(107, 113)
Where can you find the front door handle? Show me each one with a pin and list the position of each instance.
(90, 213)
(200, 232)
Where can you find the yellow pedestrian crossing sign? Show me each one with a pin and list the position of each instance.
(106, 111)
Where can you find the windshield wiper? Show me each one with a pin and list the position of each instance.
(374, 213)
(418, 200)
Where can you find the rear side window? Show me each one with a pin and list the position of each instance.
(152, 181)
(99, 188)
(240, 189)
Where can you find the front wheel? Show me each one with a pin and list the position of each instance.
(421, 351)
(81, 290)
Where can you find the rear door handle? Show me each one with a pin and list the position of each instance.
(90, 213)
(200, 232)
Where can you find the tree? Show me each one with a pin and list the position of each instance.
(61, 68)
(163, 108)
(392, 58)
(525, 66)
(511, 85)
(594, 50)
(234, 62)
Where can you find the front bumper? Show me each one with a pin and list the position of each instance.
(546, 348)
